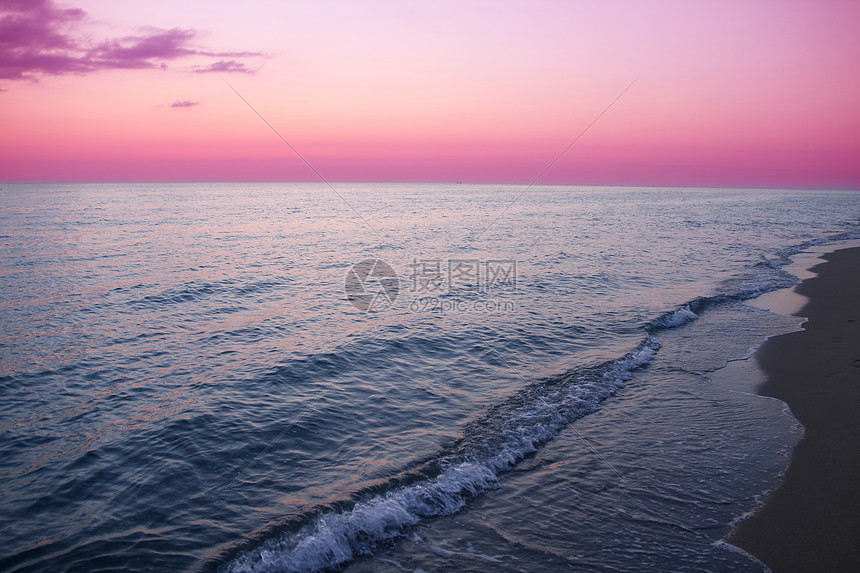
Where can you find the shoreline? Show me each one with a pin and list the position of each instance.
(811, 522)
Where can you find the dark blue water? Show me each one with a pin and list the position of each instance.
(186, 385)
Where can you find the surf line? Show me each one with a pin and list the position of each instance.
(645, 511)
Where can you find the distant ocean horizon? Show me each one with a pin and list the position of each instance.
(386, 376)
(313, 182)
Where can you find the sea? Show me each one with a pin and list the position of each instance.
(272, 377)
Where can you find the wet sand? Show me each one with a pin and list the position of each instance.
(812, 522)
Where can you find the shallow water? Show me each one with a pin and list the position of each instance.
(185, 384)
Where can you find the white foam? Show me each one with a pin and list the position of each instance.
(335, 538)
(681, 316)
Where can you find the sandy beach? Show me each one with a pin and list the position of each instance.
(812, 522)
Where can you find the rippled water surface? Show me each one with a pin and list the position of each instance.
(184, 384)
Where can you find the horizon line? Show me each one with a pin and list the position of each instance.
(443, 182)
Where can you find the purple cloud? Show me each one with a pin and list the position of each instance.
(225, 66)
(184, 103)
(136, 52)
(37, 38)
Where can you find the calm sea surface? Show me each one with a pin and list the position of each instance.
(275, 377)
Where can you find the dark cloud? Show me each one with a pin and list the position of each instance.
(185, 103)
(37, 38)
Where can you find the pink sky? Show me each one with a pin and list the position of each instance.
(727, 93)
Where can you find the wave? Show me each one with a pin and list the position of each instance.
(786, 254)
(194, 291)
(492, 444)
(764, 276)
(674, 318)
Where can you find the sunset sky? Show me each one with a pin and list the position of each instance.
(726, 93)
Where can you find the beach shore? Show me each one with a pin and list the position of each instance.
(812, 521)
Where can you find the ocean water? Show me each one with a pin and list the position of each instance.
(279, 377)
